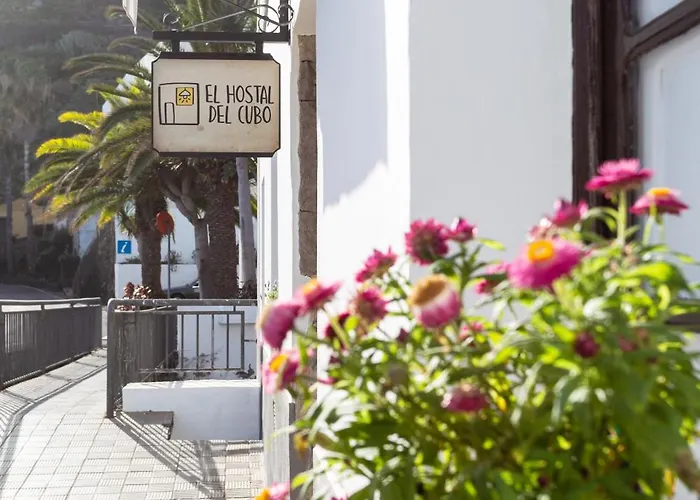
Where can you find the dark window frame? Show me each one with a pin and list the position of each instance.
(607, 46)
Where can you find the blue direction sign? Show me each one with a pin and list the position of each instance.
(124, 247)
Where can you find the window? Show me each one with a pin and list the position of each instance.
(614, 53)
(637, 93)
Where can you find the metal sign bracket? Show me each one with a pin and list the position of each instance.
(278, 18)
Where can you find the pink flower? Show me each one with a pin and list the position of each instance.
(496, 274)
(314, 295)
(620, 175)
(276, 321)
(369, 305)
(665, 200)
(426, 241)
(543, 230)
(464, 399)
(461, 231)
(435, 301)
(279, 491)
(468, 331)
(281, 370)
(403, 336)
(376, 265)
(329, 332)
(566, 214)
(585, 345)
(542, 262)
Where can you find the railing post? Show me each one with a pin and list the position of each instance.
(42, 344)
(3, 349)
(112, 358)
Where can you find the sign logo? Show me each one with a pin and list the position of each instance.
(124, 247)
(184, 96)
(176, 104)
(225, 105)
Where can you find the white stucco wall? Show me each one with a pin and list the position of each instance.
(669, 128)
(416, 120)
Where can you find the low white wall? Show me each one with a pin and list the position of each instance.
(181, 274)
(215, 333)
(202, 409)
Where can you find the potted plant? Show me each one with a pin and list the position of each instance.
(562, 380)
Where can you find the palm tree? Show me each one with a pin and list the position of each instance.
(26, 91)
(206, 191)
(83, 176)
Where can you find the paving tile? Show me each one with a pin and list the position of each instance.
(64, 448)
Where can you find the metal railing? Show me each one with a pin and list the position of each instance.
(177, 339)
(39, 335)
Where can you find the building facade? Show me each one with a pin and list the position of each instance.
(404, 109)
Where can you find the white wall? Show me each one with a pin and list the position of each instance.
(670, 126)
(420, 117)
(181, 274)
(416, 120)
(202, 410)
(217, 339)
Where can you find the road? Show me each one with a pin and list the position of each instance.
(21, 292)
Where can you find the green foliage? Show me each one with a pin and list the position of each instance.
(551, 416)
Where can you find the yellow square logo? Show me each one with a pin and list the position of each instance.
(184, 96)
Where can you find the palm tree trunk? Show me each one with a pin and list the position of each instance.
(248, 277)
(9, 244)
(29, 217)
(223, 253)
(149, 240)
(201, 248)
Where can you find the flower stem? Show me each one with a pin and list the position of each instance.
(621, 218)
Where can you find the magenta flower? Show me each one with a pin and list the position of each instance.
(280, 371)
(461, 231)
(665, 200)
(277, 320)
(426, 241)
(542, 262)
(329, 332)
(435, 301)
(314, 295)
(369, 305)
(403, 336)
(464, 399)
(585, 345)
(376, 265)
(496, 274)
(620, 175)
(543, 230)
(469, 330)
(566, 214)
(279, 491)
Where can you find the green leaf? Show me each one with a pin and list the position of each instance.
(658, 272)
(562, 392)
(492, 244)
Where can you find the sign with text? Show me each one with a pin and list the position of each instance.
(216, 104)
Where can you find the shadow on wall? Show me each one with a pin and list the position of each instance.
(356, 125)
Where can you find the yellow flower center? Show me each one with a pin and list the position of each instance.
(428, 289)
(659, 192)
(540, 251)
(310, 287)
(265, 495)
(277, 362)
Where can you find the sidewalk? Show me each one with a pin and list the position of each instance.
(56, 444)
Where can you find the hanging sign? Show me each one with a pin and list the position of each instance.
(217, 105)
